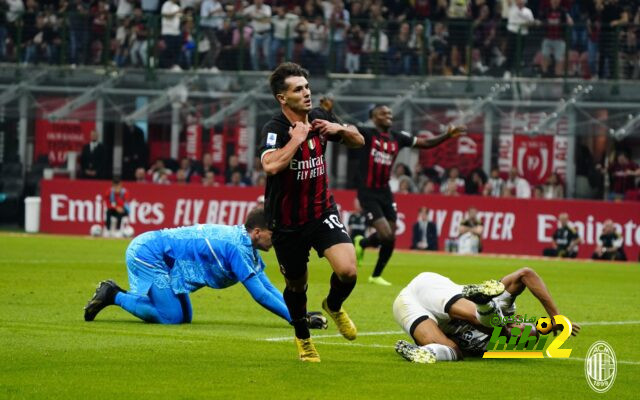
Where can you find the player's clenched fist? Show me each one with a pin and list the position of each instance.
(325, 127)
(299, 131)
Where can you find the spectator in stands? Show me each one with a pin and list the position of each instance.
(623, 173)
(429, 187)
(518, 186)
(400, 171)
(99, 17)
(520, 18)
(338, 26)
(476, 182)
(206, 165)
(211, 20)
(556, 20)
(594, 27)
(538, 192)
(355, 40)
(316, 35)
(284, 24)
(484, 35)
(439, 50)
(418, 46)
(117, 206)
(93, 159)
(159, 173)
(139, 45)
(259, 15)
(171, 34)
(150, 7)
(236, 179)
(123, 42)
(454, 184)
(553, 188)
(630, 61)
(124, 8)
(376, 42)
(494, 185)
(565, 240)
(187, 168)
(357, 224)
(233, 166)
(400, 55)
(470, 233)
(141, 175)
(181, 177)
(610, 244)
(578, 57)
(38, 42)
(405, 185)
(424, 233)
(311, 9)
(613, 16)
(209, 179)
(418, 178)
(458, 20)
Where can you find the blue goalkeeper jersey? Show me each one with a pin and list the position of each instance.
(216, 256)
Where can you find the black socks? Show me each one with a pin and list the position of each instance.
(297, 305)
(339, 292)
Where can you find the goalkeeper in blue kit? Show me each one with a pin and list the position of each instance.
(164, 266)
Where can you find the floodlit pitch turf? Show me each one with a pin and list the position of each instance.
(48, 351)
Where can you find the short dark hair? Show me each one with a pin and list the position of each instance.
(281, 73)
(375, 107)
(115, 180)
(256, 219)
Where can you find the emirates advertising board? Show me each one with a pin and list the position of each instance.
(511, 226)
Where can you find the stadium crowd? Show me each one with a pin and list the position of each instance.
(498, 37)
(623, 175)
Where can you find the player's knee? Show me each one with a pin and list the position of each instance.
(387, 238)
(172, 317)
(348, 274)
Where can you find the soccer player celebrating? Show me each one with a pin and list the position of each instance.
(299, 207)
(165, 266)
(447, 320)
(377, 156)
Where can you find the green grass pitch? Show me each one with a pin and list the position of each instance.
(48, 351)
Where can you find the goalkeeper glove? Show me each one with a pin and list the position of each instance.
(315, 320)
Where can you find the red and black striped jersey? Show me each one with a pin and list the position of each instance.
(378, 154)
(300, 193)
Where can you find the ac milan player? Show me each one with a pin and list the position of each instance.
(300, 209)
(380, 150)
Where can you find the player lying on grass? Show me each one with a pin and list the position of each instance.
(165, 266)
(447, 320)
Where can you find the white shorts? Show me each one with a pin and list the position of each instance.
(428, 296)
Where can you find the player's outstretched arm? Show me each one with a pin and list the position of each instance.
(266, 298)
(277, 160)
(517, 281)
(452, 132)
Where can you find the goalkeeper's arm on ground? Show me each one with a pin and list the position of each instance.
(265, 297)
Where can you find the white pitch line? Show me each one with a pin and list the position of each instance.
(383, 333)
(609, 323)
(286, 338)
